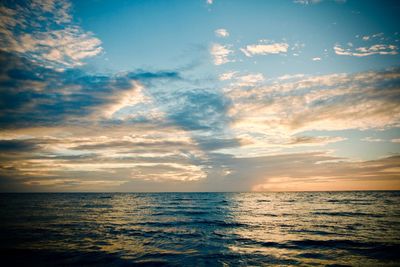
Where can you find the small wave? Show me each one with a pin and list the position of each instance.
(165, 224)
(105, 197)
(269, 214)
(346, 214)
(194, 212)
(313, 232)
(216, 223)
(372, 250)
(180, 212)
(329, 243)
(311, 255)
(42, 257)
(349, 201)
(200, 229)
(97, 206)
(220, 223)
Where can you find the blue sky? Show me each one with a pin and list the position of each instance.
(199, 95)
(147, 29)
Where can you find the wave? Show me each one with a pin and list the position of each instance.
(211, 229)
(348, 214)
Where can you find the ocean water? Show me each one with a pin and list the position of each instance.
(200, 229)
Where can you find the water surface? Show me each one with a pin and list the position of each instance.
(201, 229)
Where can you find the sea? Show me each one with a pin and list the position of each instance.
(200, 229)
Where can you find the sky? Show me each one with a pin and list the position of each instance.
(199, 95)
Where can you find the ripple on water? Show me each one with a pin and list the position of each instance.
(202, 229)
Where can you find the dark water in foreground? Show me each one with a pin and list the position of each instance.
(198, 229)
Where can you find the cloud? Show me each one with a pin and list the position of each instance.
(313, 2)
(161, 129)
(43, 32)
(378, 49)
(307, 2)
(213, 144)
(123, 99)
(291, 76)
(97, 157)
(242, 80)
(209, 2)
(198, 109)
(256, 143)
(265, 49)
(372, 139)
(373, 36)
(395, 140)
(35, 95)
(221, 33)
(220, 54)
(249, 79)
(270, 115)
(312, 171)
(297, 172)
(314, 140)
(316, 59)
(10, 146)
(153, 158)
(73, 130)
(227, 75)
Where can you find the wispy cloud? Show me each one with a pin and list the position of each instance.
(318, 172)
(265, 49)
(248, 79)
(291, 76)
(272, 113)
(198, 109)
(59, 153)
(227, 75)
(378, 49)
(313, 2)
(44, 32)
(37, 95)
(372, 139)
(309, 171)
(240, 126)
(221, 33)
(313, 140)
(220, 54)
(373, 36)
(307, 2)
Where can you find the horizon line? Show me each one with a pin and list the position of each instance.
(183, 192)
